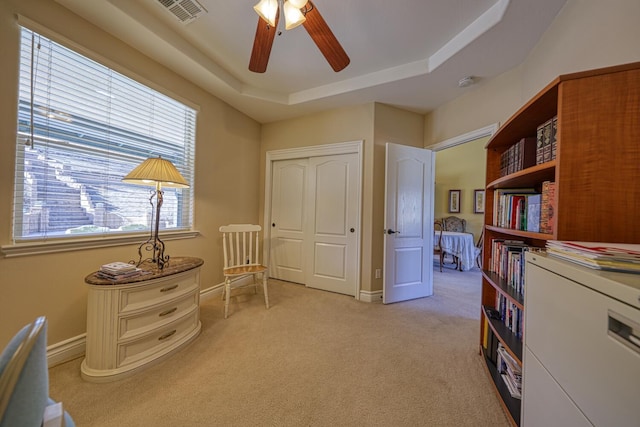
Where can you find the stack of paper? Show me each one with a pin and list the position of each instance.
(621, 257)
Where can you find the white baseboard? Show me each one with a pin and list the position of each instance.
(213, 291)
(371, 296)
(66, 350)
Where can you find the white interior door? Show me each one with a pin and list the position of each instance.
(408, 242)
(333, 226)
(288, 211)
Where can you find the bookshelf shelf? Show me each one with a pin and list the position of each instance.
(595, 171)
(525, 177)
(520, 233)
(502, 287)
(511, 342)
(510, 404)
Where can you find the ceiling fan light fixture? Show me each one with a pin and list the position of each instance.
(298, 4)
(292, 15)
(267, 10)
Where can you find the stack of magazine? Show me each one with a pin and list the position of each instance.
(510, 372)
(118, 270)
(622, 257)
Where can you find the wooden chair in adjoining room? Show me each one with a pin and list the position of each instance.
(437, 247)
(241, 248)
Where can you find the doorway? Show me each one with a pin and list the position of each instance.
(460, 165)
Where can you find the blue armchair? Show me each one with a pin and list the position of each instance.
(24, 378)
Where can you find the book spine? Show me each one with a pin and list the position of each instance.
(544, 203)
(540, 144)
(554, 139)
(546, 149)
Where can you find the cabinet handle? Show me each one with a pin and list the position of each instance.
(167, 335)
(624, 330)
(168, 312)
(169, 288)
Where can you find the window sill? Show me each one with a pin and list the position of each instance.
(67, 245)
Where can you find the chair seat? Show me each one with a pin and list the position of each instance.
(242, 270)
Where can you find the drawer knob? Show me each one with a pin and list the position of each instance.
(167, 335)
(168, 288)
(168, 312)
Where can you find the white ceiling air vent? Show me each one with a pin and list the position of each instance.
(185, 10)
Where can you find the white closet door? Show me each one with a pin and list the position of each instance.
(332, 231)
(288, 203)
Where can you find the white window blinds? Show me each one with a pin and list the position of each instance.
(81, 128)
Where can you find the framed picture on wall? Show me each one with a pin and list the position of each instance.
(478, 201)
(454, 201)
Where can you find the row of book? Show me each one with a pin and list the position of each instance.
(531, 151)
(510, 372)
(119, 270)
(510, 314)
(519, 156)
(621, 257)
(525, 208)
(507, 261)
(506, 366)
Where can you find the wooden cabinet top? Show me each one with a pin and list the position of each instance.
(544, 105)
(174, 266)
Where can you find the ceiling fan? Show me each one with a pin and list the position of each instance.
(296, 12)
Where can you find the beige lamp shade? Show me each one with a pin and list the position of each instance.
(292, 16)
(154, 171)
(267, 9)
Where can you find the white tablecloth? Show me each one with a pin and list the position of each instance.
(460, 245)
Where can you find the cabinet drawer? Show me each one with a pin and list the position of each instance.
(567, 328)
(142, 322)
(164, 289)
(154, 342)
(544, 402)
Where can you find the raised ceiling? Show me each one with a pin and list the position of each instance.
(406, 53)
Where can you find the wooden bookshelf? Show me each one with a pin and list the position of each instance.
(596, 173)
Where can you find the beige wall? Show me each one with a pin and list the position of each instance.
(461, 168)
(586, 34)
(227, 146)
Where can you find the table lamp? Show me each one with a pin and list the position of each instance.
(158, 172)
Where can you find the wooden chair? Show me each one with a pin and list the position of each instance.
(437, 247)
(241, 248)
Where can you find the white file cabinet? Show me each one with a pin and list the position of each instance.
(582, 346)
(133, 323)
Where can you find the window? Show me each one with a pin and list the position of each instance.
(81, 128)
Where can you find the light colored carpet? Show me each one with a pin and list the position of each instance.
(313, 359)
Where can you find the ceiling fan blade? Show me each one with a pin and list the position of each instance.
(325, 40)
(262, 44)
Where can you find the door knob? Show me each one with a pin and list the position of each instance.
(273, 224)
(390, 231)
(353, 230)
